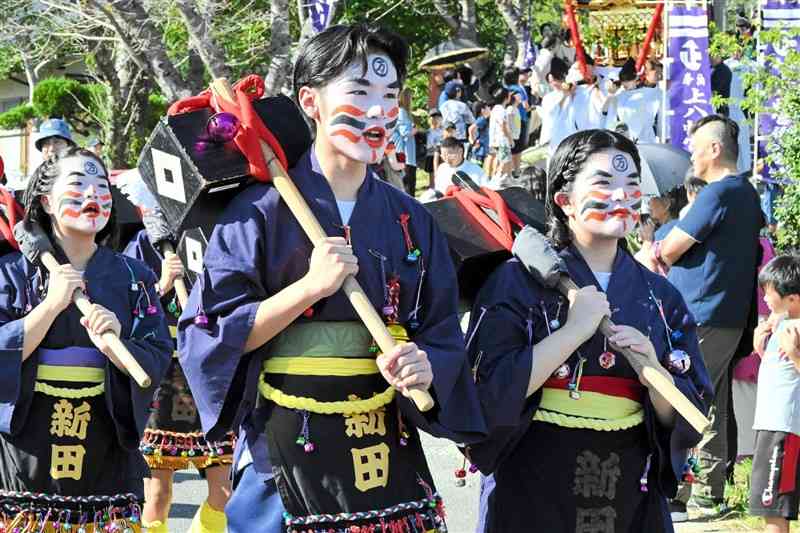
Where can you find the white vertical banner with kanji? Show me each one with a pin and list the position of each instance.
(690, 72)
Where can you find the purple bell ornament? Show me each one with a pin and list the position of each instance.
(222, 127)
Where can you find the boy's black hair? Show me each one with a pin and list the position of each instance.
(628, 71)
(549, 41)
(499, 94)
(511, 76)
(558, 69)
(694, 185)
(326, 55)
(782, 273)
(477, 107)
(452, 142)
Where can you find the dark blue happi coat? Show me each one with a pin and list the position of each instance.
(258, 248)
(109, 278)
(509, 317)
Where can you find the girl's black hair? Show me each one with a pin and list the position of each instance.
(41, 183)
(677, 201)
(499, 95)
(326, 55)
(782, 273)
(558, 69)
(565, 165)
(477, 107)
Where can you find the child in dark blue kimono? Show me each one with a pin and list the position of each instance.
(580, 443)
(71, 417)
(269, 342)
(173, 439)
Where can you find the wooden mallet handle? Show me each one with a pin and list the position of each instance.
(120, 351)
(640, 365)
(180, 285)
(299, 208)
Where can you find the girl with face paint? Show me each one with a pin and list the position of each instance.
(578, 441)
(283, 354)
(71, 416)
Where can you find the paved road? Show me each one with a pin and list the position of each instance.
(462, 502)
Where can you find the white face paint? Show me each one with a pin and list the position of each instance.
(358, 110)
(606, 196)
(80, 199)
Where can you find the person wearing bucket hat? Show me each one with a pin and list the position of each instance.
(54, 135)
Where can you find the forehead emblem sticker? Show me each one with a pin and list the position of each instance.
(90, 168)
(380, 66)
(620, 163)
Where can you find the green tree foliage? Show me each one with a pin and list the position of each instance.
(16, 117)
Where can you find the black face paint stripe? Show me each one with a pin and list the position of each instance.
(348, 121)
(636, 206)
(391, 125)
(592, 204)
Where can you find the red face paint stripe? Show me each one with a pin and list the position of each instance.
(352, 137)
(106, 214)
(105, 197)
(597, 195)
(637, 194)
(73, 194)
(393, 112)
(74, 213)
(350, 110)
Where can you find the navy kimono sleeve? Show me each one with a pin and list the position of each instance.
(151, 345)
(12, 305)
(674, 443)
(457, 415)
(229, 293)
(705, 214)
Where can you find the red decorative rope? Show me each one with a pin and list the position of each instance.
(489, 199)
(252, 129)
(13, 213)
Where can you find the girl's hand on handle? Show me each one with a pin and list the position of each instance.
(406, 366)
(171, 269)
(63, 283)
(587, 307)
(98, 321)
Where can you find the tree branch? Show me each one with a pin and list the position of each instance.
(443, 7)
(202, 40)
(280, 44)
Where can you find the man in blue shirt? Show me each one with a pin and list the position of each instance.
(712, 256)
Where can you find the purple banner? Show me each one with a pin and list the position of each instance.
(320, 11)
(786, 16)
(690, 70)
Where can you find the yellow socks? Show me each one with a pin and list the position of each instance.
(208, 520)
(156, 527)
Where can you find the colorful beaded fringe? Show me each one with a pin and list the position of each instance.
(23, 512)
(420, 516)
(176, 451)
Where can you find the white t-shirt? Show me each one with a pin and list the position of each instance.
(444, 175)
(346, 209)
(778, 393)
(514, 121)
(497, 136)
(602, 278)
(556, 123)
(584, 111)
(638, 108)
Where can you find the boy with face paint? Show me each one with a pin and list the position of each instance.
(578, 441)
(71, 416)
(325, 442)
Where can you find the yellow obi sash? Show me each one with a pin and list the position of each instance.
(335, 349)
(72, 365)
(602, 404)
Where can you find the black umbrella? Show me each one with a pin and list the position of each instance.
(452, 53)
(663, 168)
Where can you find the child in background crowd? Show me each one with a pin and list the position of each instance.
(479, 133)
(500, 138)
(773, 487)
(693, 187)
(433, 139)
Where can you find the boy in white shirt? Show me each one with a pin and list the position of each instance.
(500, 139)
(774, 490)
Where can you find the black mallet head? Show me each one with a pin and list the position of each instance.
(32, 240)
(538, 257)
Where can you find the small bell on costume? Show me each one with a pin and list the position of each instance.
(678, 362)
(555, 324)
(562, 372)
(172, 306)
(308, 313)
(676, 335)
(461, 477)
(151, 310)
(607, 360)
